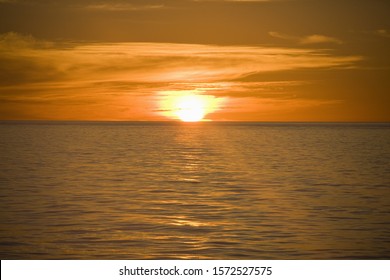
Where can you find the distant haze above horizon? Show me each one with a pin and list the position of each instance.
(192, 60)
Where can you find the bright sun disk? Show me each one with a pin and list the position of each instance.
(188, 105)
(190, 108)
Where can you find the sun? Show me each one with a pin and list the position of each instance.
(188, 105)
(190, 108)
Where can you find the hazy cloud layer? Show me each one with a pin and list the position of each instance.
(35, 72)
(149, 62)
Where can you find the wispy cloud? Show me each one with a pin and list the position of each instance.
(382, 32)
(106, 5)
(318, 39)
(306, 40)
(111, 73)
(122, 7)
(167, 62)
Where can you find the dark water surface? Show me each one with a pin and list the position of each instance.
(74, 190)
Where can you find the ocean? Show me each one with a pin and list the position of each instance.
(208, 190)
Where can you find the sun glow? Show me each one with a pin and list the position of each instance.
(190, 108)
(188, 105)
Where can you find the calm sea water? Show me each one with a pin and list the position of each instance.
(194, 191)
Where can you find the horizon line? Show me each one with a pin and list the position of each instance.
(199, 122)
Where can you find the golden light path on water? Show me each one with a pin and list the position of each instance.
(188, 105)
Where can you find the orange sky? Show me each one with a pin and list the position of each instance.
(270, 60)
